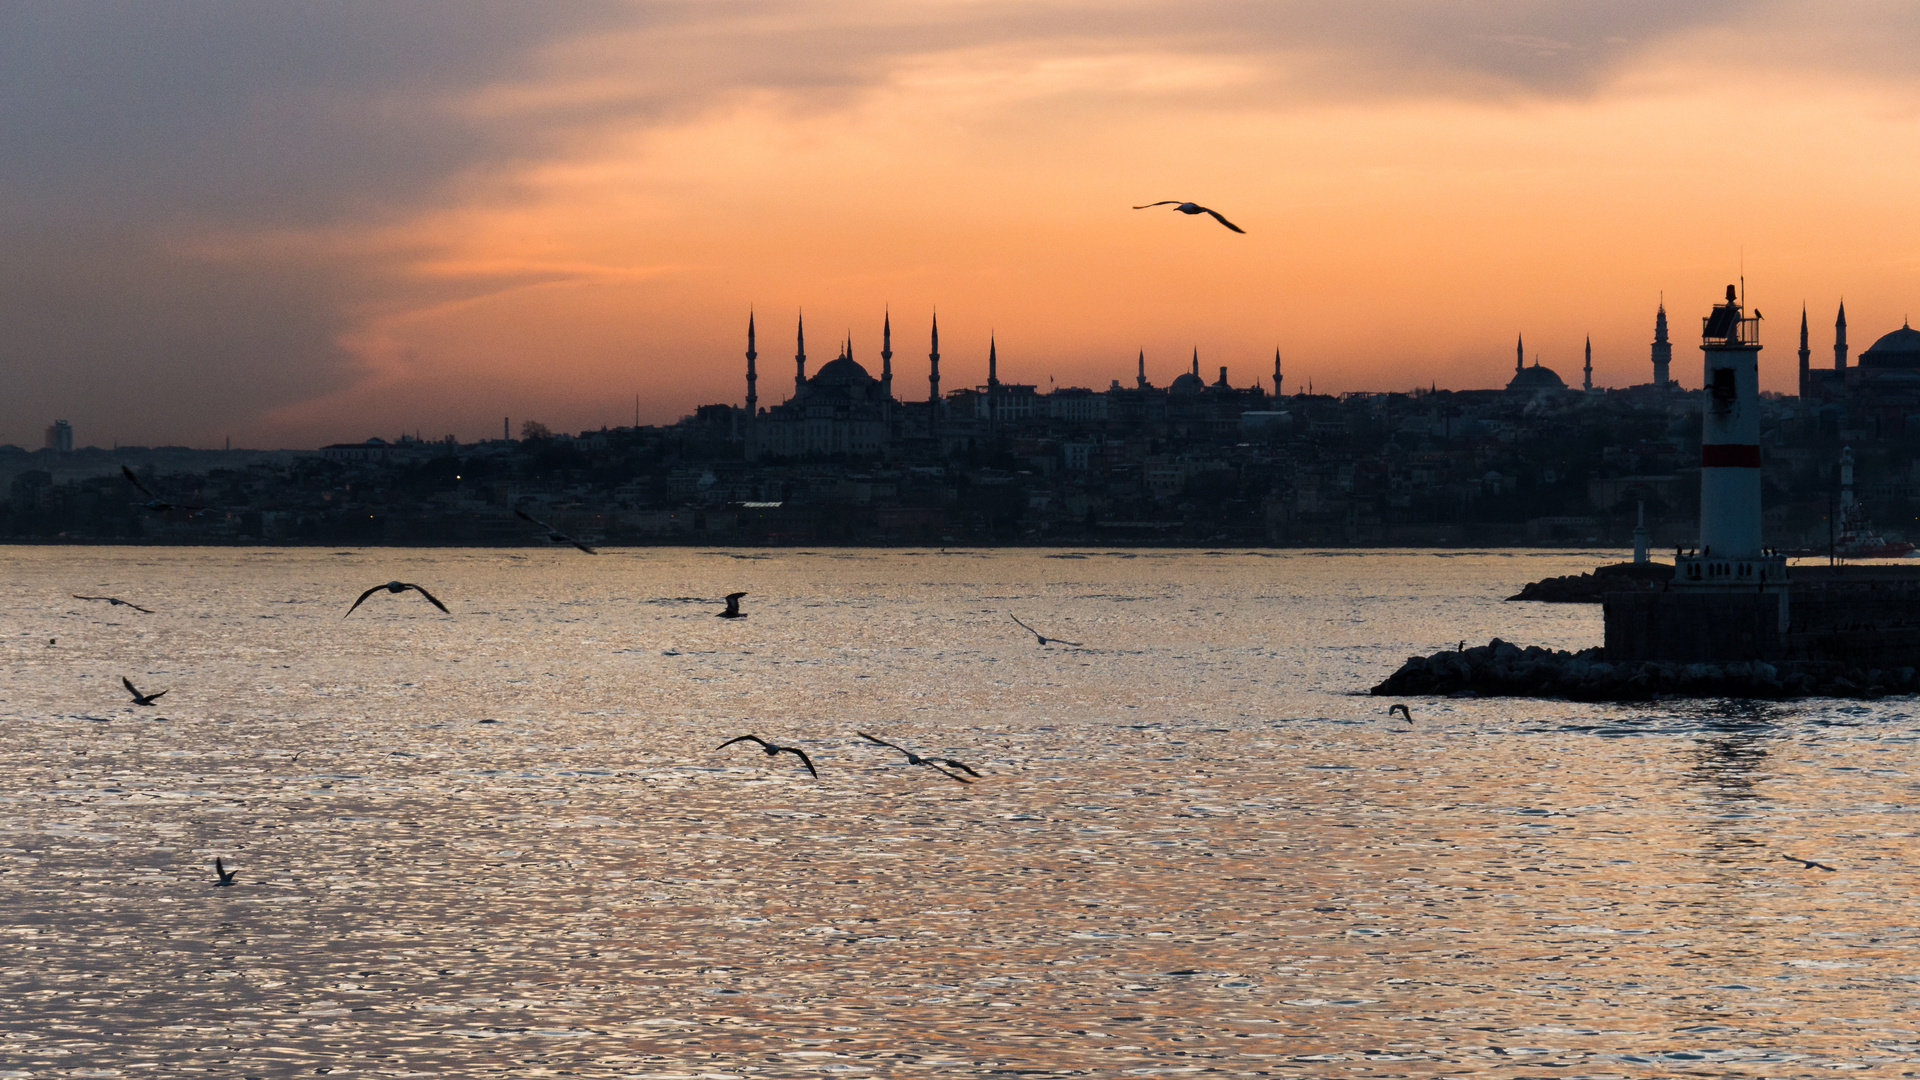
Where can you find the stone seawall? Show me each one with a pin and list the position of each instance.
(1501, 669)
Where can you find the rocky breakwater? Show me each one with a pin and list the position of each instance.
(1592, 588)
(1502, 669)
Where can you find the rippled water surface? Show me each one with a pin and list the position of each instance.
(502, 843)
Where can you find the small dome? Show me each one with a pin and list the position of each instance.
(1899, 349)
(1187, 383)
(1536, 378)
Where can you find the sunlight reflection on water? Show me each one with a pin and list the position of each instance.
(1195, 847)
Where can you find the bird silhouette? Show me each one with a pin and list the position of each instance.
(771, 750)
(138, 697)
(398, 587)
(733, 607)
(1397, 707)
(226, 875)
(553, 534)
(1808, 863)
(154, 502)
(1044, 639)
(116, 601)
(1193, 208)
(931, 763)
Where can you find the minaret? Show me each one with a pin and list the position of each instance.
(800, 356)
(1840, 339)
(886, 358)
(1196, 361)
(1587, 382)
(993, 383)
(933, 380)
(1519, 353)
(1140, 374)
(1805, 353)
(1662, 349)
(1276, 373)
(753, 398)
(933, 360)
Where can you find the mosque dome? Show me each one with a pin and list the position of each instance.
(841, 371)
(1900, 349)
(1187, 383)
(1536, 378)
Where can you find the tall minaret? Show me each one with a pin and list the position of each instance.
(1196, 361)
(1519, 353)
(933, 359)
(886, 358)
(1140, 372)
(1840, 339)
(1806, 354)
(1662, 349)
(800, 355)
(753, 398)
(1587, 382)
(1276, 372)
(993, 383)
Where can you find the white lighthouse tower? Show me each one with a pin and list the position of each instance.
(1730, 554)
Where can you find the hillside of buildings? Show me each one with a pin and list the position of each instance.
(1528, 466)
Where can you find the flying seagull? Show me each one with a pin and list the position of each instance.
(154, 502)
(1193, 208)
(932, 763)
(1044, 639)
(772, 750)
(114, 600)
(138, 697)
(733, 612)
(226, 875)
(1808, 863)
(1397, 707)
(398, 587)
(554, 534)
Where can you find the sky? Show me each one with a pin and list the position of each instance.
(294, 224)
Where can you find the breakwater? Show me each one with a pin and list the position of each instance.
(1502, 669)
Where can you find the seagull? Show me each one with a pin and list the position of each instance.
(226, 875)
(138, 697)
(154, 502)
(1397, 707)
(554, 534)
(116, 601)
(1193, 208)
(1044, 639)
(733, 612)
(1808, 863)
(932, 763)
(398, 587)
(772, 750)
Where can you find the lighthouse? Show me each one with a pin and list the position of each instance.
(1730, 554)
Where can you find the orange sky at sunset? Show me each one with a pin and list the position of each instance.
(1408, 209)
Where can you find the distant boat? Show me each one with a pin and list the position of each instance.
(1854, 538)
(1857, 540)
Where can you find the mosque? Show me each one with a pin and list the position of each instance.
(842, 409)
(1883, 384)
(1537, 379)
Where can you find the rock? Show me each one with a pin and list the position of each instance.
(1502, 669)
(1592, 588)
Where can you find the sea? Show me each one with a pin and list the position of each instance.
(507, 841)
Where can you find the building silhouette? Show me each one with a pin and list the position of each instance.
(60, 436)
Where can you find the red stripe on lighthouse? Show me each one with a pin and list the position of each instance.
(1729, 456)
